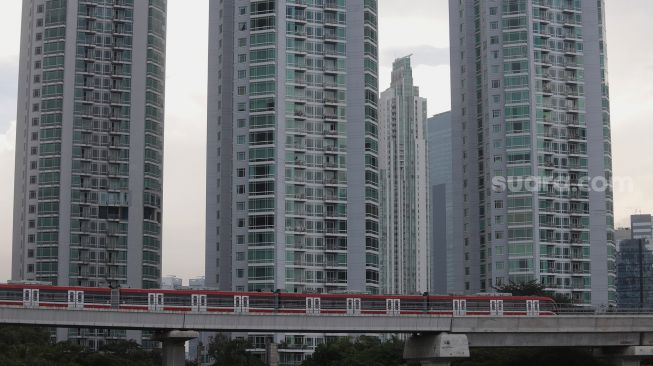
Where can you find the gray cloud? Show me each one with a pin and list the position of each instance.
(422, 55)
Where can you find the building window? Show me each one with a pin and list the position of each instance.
(241, 222)
(240, 256)
(240, 156)
(241, 173)
(240, 273)
(240, 206)
(240, 239)
(240, 189)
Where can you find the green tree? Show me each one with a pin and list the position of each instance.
(363, 351)
(532, 288)
(232, 352)
(530, 357)
(29, 346)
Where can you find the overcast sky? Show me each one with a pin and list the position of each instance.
(417, 27)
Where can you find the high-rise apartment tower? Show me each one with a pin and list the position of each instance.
(89, 143)
(531, 112)
(404, 185)
(292, 161)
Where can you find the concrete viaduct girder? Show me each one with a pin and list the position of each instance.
(625, 338)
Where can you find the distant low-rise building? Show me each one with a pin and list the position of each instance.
(171, 282)
(197, 282)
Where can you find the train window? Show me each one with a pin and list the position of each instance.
(10, 295)
(334, 304)
(262, 302)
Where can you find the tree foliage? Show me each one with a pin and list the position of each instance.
(232, 352)
(28, 346)
(530, 357)
(532, 288)
(363, 351)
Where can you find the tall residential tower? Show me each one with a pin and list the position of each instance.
(530, 105)
(89, 143)
(404, 184)
(292, 161)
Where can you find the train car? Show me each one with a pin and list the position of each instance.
(38, 295)
(211, 301)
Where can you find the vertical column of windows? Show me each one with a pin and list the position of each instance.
(101, 140)
(154, 114)
(519, 147)
(49, 151)
(562, 148)
(372, 185)
(261, 95)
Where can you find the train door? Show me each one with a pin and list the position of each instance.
(30, 298)
(155, 302)
(496, 307)
(313, 305)
(393, 306)
(459, 307)
(75, 299)
(198, 303)
(533, 307)
(353, 306)
(241, 304)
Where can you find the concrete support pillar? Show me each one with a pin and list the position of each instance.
(272, 354)
(431, 349)
(173, 352)
(625, 356)
(434, 363)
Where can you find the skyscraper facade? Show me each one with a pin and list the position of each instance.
(89, 143)
(530, 105)
(634, 275)
(292, 160)
(404, 184)
(439, 143)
